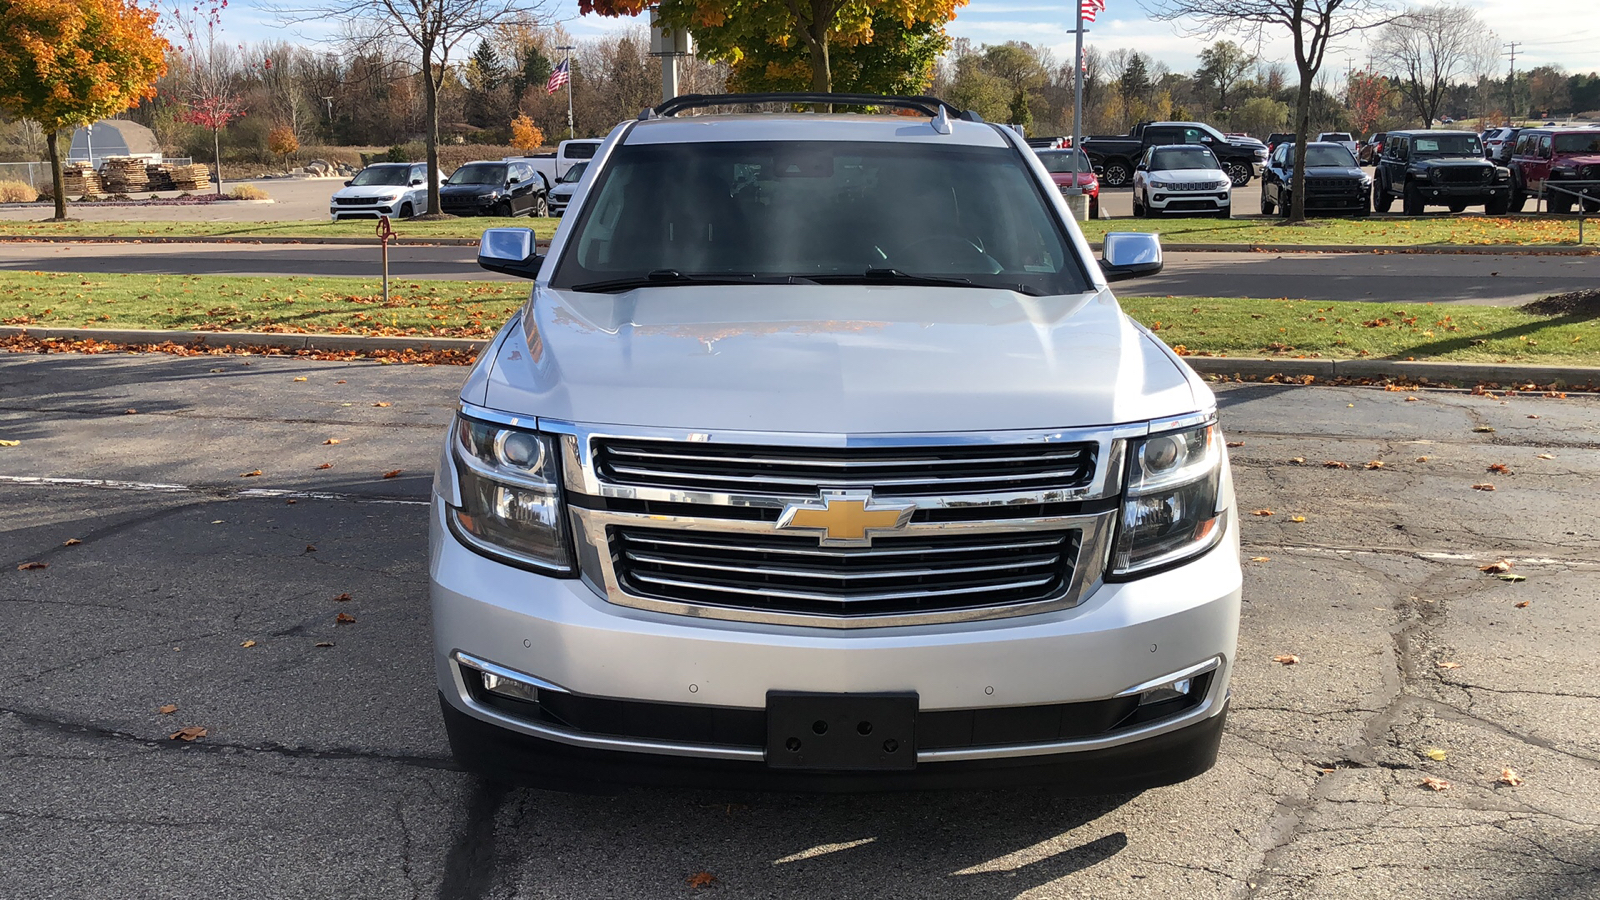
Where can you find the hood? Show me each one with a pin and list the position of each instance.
(370, 192)
(1456, 162)
(847, 359)
(1189, 175)
(566, 189)
(469, 190)
(1331, 171)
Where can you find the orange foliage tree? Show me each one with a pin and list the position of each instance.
(65, 63)
(729, 29)
(525, 135)
(281, 141)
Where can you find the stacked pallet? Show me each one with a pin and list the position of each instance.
(125, 175)
(191, 178)
(159, 177)
(81, 179)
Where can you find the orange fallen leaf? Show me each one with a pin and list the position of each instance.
(1448, 665)
(1298, 460)
(1235, 443)
(168, 710)
(1510, 777)
(1486, 486)
(71, 542)
(344, 619)
(700, 879)
(1437, 784)
(33, 565)
(1335, 464)
(1495, 568)
(341, 597)
(393, 474)
(1375, 464)
(248, 644)
(324, 466)
(383, 403)
(1524, 604)
(1545, 456)
(1297, 519)
(330, 441)
(1411, 399)
(1262, 512)
(1287, 659)
(1500, 469)
(1532, 416)
(1422, 459)
(300, 378)
(1261, 559)
(251, 474)
(311, 548)
(130, 412)
(187, 734)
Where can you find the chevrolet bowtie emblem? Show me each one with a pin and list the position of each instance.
(845, 517)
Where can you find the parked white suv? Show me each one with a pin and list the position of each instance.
(1181, 178)
(397, 190)
(822, 457)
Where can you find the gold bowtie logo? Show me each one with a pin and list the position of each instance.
(845, 517)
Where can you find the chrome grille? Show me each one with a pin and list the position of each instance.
(778, 573)
(887, 471)
(360, 201)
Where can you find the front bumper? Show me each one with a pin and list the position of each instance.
(1476, 193)
(363, 211)
(1189, 201)
(638, 662)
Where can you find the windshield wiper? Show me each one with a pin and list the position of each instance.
(895, 276)
(671, 277)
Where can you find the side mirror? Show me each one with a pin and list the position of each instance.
(349, 181)
(513, 180)
(1130, 254)
(415, 182)
(509, 251)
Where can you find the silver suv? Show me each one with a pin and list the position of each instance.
(822, 457)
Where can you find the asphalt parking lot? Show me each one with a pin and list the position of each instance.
(323, 771)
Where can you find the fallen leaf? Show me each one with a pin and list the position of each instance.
(1375, 464)
(187, 734)
(1484, 429)
(1436, 754)
(251, 474)
(1235, 443)
(10, 443)
(1532, 416)
(71, 542)
(324, 643)
(324, 466)
(1496, 567)
(330, 441)
(1351, 405)
(130, 412)
(1297, 519)
(300, 378)
(1411, 399)
(1261, 559)
(1287, 659)
(168, 710)
(33, 565)
(700, 879)
(1486, 486)
(290, 502)
(1545, 456)
(341, 598)
(1298, 460)
(1422, 459)
(1512, 577)
(393, 474)
(1524, 604)
(1448, 665)
(1500, 469)
(1335, 464)
(1262, 512)
(1437, 784)
(1510, 777)
(344, 619)
(383, 403)
(248, 644)
(311, 548)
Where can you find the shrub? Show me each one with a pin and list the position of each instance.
(282, 142)
(247, 192)
(17, 192)
(398, 153)
(525, 135)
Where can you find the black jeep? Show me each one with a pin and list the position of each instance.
(1439, 168)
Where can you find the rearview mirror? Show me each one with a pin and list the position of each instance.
(509, 251)
(1130, 254)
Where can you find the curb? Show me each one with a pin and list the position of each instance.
(1227, 366)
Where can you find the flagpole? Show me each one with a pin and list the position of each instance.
(568, 48)
(1077, 104)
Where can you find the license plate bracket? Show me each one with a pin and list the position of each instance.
(841, 732)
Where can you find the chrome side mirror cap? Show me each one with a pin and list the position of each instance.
(509, 251)
(1130, 254)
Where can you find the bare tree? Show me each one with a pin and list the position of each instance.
(1312, 25)
(1430, 48)
(435, 29)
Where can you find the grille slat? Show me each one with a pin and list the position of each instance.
(888, 471)
(793, 574)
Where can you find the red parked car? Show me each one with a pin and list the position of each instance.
(1545, 155)
(1059, 164)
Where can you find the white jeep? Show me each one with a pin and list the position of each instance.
(822, 456)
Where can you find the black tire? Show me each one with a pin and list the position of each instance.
(1560, 204)
(1138, 208)
(1519, 199)
(1457, 206)
(541, 208)
(504, 210)
(1117, 173)
(1366, 206)
(1225, 213)
(1239, 173)
(1382, 200)
(1413, 204)
(1267, 207)
(405, 211)
(1497, 206)
(1150, 212)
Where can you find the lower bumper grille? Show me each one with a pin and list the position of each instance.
(795, 575)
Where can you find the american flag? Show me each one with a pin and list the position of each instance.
(561, 76)
(1092, 7)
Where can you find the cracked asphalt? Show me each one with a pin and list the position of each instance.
(324, 771)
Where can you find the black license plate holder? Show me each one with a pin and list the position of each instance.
(842, 732)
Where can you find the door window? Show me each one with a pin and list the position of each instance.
(1544, 146)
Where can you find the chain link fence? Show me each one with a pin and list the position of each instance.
(37, 174)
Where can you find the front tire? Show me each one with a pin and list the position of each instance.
(1413, 204)
(541, 209)
(1267, 208)
(1238, 173)
(1117, 174)
(1138, 208)
(1560, 204)
(1497, 206)
(1456, 206)
(405, 211)
(504, 210)
(1382, 200)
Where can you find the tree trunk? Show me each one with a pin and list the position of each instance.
(56, 178)
(1302, 117)
(430, 92)
(216, 148)
(821, 74)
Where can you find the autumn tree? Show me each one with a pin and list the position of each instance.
(1429, 49)
(282, 142)
(900, 60)
(65, 63)
(525, 135)
(212, 96)
(1365, 99)
(728, 29)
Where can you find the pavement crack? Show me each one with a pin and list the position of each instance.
(469, 868)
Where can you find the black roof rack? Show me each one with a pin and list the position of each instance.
(928, 106)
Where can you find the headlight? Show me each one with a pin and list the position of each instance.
(1221, 184)
(1169, 512)
(1501, 173)
(1564, 170)
(510, 495)
(1423, 174)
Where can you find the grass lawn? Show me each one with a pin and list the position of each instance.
(1382, 231)
(1221, 326)
(1235, 326)
(363, 228)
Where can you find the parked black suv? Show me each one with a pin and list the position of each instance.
(488, 188)
(1334, 183)
(1439, 168)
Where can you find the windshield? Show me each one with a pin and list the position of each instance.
(1323, 156)
(1446, 145)
(1577, 143)
(1059, 162)
(814, 209)
(478, 173)
(1182, 158)
(382, 175)
(573, 174)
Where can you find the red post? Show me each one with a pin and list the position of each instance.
(384, 234)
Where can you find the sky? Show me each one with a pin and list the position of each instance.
(1547, 33)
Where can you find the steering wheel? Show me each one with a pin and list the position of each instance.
(948, 248)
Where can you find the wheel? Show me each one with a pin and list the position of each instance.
(1224, 213)
(1138, 208)
(1267, 208)
(1094, 207)
(1366, 206)
(405, 211)
(1560, 204)
(1496, 206)
(1413, 203)
(1239, 173)
(1117, 174)
(1381, 198)
(1286, 204)
(1457, 206)
(504, 210)
(541, 208)
(1519, 199)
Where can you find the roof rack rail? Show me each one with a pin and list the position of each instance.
(928, 106)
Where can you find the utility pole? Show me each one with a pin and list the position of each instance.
(1511, 83)
(1075, 198)
(569, 48)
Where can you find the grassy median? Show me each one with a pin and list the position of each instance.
(245, 231)
(1220, 325)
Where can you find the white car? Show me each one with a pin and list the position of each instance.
(1181, 178)
(397, 190)
(822, 456)
(1340, 137)
(566, 187)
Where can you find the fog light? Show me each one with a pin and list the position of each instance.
(1172, 690)
(510, 687)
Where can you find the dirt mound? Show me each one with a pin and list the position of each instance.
(1572, 303)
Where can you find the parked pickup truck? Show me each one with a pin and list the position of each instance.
(1117, 156)
(551, 166)
(821, 456)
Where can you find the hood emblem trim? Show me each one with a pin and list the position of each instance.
(845, 518)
